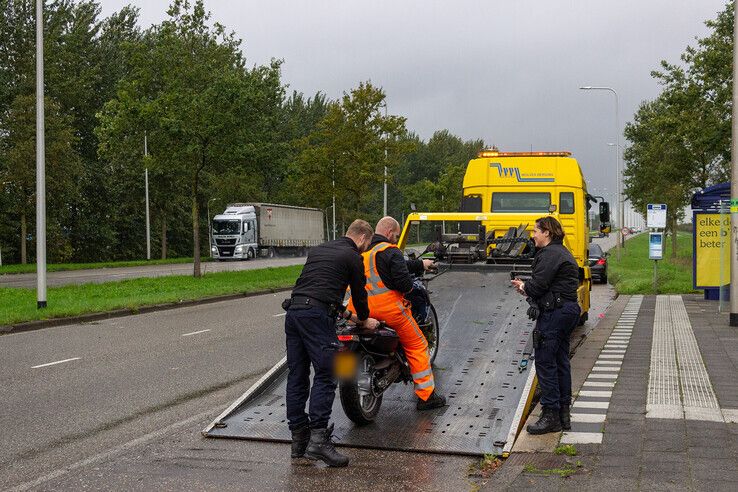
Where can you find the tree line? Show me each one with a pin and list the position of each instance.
(680, 141)
(216, 130)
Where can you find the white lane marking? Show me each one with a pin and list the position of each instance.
(612, 356)
(600, 363)
(55, 363)
(599, 405)
(602, 376)
(602, 384)
(581, 437)
(279, 315)
(195, 333)
(589, 418)
(600, 394)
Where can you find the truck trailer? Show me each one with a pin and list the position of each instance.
(247, 230)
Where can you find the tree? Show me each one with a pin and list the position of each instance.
(211, 121)
(18, 170)
(349, 147)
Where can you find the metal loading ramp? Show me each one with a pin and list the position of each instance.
(481, 368)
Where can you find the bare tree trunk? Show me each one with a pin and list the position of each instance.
(24, 238)
(195, 231)
(163, 238)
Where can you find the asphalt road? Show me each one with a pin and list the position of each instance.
(119, 404)
(55, 279)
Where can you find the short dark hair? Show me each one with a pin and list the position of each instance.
(551, 225)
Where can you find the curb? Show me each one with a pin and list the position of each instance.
(119, 313)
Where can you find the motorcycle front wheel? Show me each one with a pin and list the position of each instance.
(361, 409)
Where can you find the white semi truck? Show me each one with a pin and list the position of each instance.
(248, 230)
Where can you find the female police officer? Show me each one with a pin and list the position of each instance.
(552, 292)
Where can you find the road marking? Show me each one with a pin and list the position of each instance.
(602, 384)
(599, 405)
(279, 315)
(601, 394)
(55, 363)
(588, 418)
(581, 438)
(195, 333)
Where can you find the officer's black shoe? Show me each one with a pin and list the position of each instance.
(550, 421)
(322, 448)
(566, 417)
(434, 401)
(300, 440)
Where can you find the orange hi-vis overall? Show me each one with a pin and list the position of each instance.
(391, 307)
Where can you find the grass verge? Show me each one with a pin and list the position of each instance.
(19, 305)
(633, 273)
(63, 267)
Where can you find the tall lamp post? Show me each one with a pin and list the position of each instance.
(734, 184)
(146, 184)
(619, 241)
(210, 227)
(40, 162)
(384, 208)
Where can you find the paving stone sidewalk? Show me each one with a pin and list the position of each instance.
(640, 452)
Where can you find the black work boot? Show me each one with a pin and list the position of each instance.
(434, 401)
(566, 417)
(300, 439)
(322, 448)
(550, 421)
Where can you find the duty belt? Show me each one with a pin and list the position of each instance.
(310, 301)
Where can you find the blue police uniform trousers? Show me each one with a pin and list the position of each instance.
(311, 340)
(552, 355)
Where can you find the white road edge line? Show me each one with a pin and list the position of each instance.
(55, 363)
(279, 315)
(195, 333)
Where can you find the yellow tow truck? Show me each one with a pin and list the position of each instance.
(484, 337)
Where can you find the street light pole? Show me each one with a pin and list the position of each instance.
(734, 184)
(619, 239)
(148, 217)
(40, 162)
(333, 182)
(210, 227)
(384, 209)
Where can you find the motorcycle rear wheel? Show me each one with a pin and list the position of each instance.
(360, 409)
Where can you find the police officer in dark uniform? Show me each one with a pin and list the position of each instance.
(552, 293)
(311, 338)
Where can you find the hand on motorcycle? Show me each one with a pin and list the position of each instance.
(369, 323)
(429, 265)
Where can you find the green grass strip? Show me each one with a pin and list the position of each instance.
(63, 267)
(633, 274)
(19, 305)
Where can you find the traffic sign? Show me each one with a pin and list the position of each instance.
(656, 246)
(656, 216)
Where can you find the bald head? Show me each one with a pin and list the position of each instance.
(389, 228)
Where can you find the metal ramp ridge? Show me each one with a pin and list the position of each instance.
(480, 368)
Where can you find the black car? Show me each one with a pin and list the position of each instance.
(598, 263)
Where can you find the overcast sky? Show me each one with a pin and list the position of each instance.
(506, 71)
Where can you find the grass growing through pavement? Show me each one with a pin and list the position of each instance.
(18, 305)
(633, 274)
(62, 267)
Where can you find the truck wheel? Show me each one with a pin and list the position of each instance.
(271, 253)
(250, 254)
(360, 409)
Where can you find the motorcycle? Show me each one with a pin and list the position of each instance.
(370, 361)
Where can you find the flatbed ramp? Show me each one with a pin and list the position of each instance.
(482, 368)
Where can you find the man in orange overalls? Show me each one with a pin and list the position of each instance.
(387, 280)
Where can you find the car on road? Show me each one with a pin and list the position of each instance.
(598, 263)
